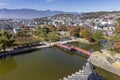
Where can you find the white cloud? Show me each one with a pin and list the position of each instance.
(4, 4)
(4, 0)
(50, 0)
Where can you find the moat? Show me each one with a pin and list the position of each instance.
(46, 64)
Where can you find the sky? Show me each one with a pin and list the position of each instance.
(63, 5)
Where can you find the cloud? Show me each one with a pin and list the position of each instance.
(4, 4)
(50, 0)
(6, 0)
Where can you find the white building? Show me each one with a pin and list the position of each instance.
(17, 30)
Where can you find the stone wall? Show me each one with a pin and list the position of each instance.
(87, 73)
(101, 61)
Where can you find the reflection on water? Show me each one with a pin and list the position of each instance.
(89, 47)
(71, 53)
(46, 64)
(7, 65)
(107, 75)
(43, 64)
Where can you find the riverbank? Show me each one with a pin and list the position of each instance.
(105, 62)
(46, 45)
(16, 51)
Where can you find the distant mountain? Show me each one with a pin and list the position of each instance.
(29, 13)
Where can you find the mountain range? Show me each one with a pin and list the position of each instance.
(29, 13)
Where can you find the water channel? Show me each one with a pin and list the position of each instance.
(97, 47)
(44, 64)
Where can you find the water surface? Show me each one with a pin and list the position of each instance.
(97, 47)
(43, 64)
(48, 64)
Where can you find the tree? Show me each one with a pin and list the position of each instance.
(85, 33)
(116, 37)
(43, 33)
(98, 35)
(117, 28)
(52, 36)
(74, 31)
(0, 47)
(70, 32)
(37, 31)
(6, 39)
(23, 34)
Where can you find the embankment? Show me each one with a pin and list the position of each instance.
(105, 62)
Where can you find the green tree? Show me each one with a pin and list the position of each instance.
(117, 28)
(52, 36)
(43, 33)
(0, 47)
(85, 33)
(116, 36)
(23, 34)
(98, 35)
(6, 39)
(73, 31)
(37, 31)
(70, 32)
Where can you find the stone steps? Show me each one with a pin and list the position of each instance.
(87, 73)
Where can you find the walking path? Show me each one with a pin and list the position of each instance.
(53, 43)
(20, 50)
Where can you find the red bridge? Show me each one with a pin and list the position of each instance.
(74, 48)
